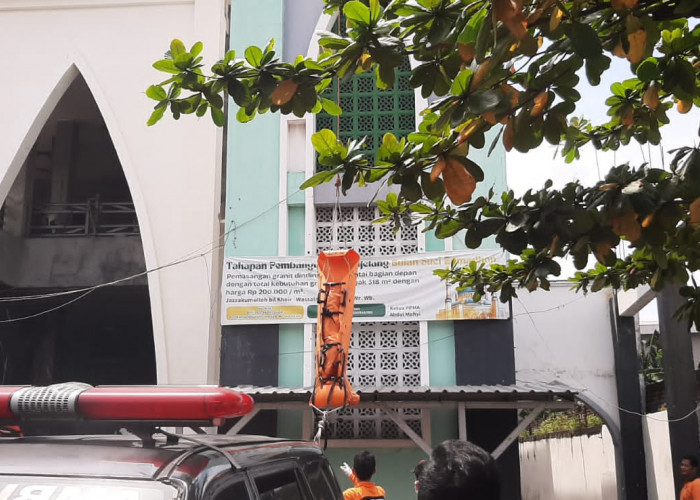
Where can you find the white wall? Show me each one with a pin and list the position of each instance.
(657, 449)
(569, 468)
(583, 467)
(173, 169)
(563, 338)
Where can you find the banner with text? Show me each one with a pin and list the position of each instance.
(390, 288)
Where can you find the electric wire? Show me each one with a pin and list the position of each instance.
(195, 254)
(192, 255)
(198, 254)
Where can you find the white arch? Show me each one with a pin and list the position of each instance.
(74, 69)
(34, 130)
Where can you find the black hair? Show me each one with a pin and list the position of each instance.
(692, 459)
(364, 465)
(419, 468)
(459, 470)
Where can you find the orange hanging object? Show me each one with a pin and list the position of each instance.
(337, 276)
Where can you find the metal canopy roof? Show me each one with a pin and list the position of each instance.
(521, 391)
(537, 397)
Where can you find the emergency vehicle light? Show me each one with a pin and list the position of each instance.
(162, 403)
(141, 403)
(6, 393)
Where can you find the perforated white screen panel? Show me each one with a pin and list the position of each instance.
(382, 354)
(354, 229)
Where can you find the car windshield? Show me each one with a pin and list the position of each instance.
(51, 488)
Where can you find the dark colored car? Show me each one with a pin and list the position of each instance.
(145, 462)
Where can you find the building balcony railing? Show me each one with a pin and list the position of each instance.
(93, 218)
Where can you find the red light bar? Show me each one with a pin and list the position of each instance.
(162, 403)
(5, 396)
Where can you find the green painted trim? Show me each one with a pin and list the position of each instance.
(295, 197)
(291, 356)
(253, 152)
(290, 424)
(441, 353)
(443, 371)
(296, 223)
(444, 425)
(433, 244)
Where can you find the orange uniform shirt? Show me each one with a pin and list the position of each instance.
(691, 490)
(363, 489)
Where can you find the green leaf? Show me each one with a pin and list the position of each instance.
(357, 11)
(448, 228)
(598, 283)
(514, 242)
(489, 227)
(567, 93)
(202, 109)
(420, 208)
(484, 38)
(239, 92)
(685, 7)
(480, 102)
(460, 85)
(434, 190)
(472, 239)
(385, 76)
(648, 70)
(595, 67)
(217, 115)
(325, 142)
(156, 116)
(254, 56)
(243, 116)
(375, 11)
(585, 40)
(156, 92)
(196, 49)
(331, 107)
(471, 29)
(411, 191)
(166, 66)
(320, 178)
(552, 129)
(177, 48)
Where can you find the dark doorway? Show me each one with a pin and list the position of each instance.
(69, 223)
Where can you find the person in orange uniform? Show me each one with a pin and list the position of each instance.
(364, 467)
(691, 482)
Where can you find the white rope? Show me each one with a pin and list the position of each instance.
(322, 423)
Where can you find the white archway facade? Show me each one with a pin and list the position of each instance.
(173, 169)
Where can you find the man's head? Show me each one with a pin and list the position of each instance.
(689, 467)
(459, 470)
(417, 471)
(364, 466)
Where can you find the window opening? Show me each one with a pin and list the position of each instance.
(278, 484)
(320, 479)
(230, 491)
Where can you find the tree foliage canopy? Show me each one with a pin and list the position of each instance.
(512, 65)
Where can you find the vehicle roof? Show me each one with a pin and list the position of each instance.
(125, 456)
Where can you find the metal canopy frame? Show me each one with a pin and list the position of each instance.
(459, 398)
